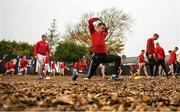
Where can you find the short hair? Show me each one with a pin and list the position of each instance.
(170, 51)
(142, 50)
(101, 24)
(157, 43)
(156, 35)
(176, 48)
(44, 35)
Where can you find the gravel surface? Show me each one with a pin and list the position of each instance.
(60, 93)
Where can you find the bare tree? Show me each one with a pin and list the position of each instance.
(118, 24)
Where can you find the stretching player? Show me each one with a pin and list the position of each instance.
(41, 50)
(10, 67)
(100, 54)
(23, 66)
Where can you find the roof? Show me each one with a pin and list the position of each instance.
(130, 60)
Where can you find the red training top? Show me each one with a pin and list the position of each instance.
(75, 65)
(172, 58)
(150, 46)
(42, 47)
(23, 63)
(141, 58)
(53, 65)
(159, 52)
(9, 65)
(97, 38)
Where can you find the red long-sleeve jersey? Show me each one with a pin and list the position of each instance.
(42, 47)
(75, 65)
(97, 38)
(53, 65)
(9, 65)
(141, 58)
(172, 58)
(159, 52)
(23, 63)
(150, 46)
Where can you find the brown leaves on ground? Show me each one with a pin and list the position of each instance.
(60, 93)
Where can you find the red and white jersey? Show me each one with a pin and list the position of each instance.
(172, 58)
(9, 65)
(53, 65)
(23, 63)
(131, 67)
(141, 58)
(42, 47)
(75, 66)
(84, 63)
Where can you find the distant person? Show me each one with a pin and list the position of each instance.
(169, 62)
(53, 68)
(151, 54)
(75, 70)
(62, 68)
(131, 69)
(41, 50)
(84, 64)
(10, 67)
(173, 62)
(23, 66)
(160, 57)
(141, 64)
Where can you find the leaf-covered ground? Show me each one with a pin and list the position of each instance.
(60, 93)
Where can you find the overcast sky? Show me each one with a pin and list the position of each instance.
(26, 20)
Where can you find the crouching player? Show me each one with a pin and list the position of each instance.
(10, 67)
(23, 66)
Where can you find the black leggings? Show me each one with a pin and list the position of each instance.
(98, 58)
(152, 64)
(162, 63)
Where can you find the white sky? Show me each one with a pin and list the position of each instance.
(26, 20)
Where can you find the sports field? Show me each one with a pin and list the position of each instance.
(60, 93)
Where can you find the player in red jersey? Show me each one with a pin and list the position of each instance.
(141, 64)
(100, 54)
(10, 67)
(173, 62)
(53, 67)
(151, 55)
(62, 68)
(41, 50)
(23, 66)
(160, 58)
(131, 69)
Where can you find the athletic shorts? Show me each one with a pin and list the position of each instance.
(10, 70)
(40, 59)
(21, 69)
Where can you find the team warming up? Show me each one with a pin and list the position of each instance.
(152, 61)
